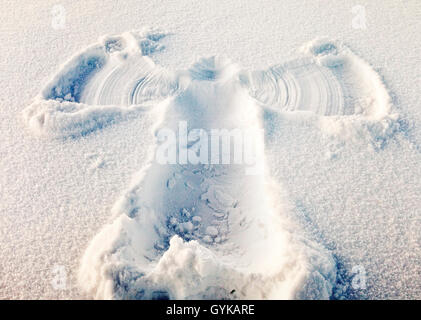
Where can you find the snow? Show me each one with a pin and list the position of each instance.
(128, 258)
(74, 159)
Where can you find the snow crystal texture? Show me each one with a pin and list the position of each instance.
(346, 167)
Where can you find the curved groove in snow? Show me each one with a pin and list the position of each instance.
(298, 85)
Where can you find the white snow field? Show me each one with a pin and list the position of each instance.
(328, 208)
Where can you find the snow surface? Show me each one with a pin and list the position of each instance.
(341, 189)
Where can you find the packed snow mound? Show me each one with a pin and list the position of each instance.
(213, 69)
(193, 224)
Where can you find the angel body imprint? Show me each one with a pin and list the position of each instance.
(203, 230)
